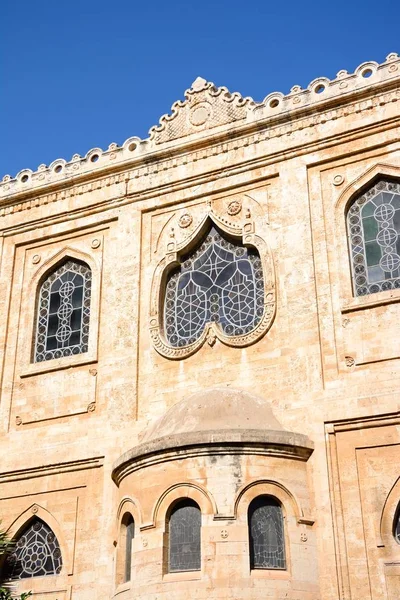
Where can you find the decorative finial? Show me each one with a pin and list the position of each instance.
(198, 84)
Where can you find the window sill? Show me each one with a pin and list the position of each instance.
(182, 576)
(270, 573)
(364, 302)
(66, 362)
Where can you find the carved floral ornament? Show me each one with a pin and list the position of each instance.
(217, 283)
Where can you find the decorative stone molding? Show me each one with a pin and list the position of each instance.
(53, 469)
(245, 232)
(234, 207)
(206, 106)
(282, 444)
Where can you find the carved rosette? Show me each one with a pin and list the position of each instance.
(212, 331)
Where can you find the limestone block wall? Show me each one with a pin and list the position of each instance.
(327, 362)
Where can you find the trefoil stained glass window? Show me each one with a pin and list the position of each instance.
(63, 312)
(266, 534)
(184, 530)
(373, 223)
(220, 282)
(37, 552)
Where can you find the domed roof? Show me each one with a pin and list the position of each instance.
(215, 409)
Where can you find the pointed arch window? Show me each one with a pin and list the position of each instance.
(220, 282)
(37, 552)
(266, 534)
(184, 537)
(373, 226)
(63, 312)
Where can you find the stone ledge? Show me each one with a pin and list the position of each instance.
(283, 444)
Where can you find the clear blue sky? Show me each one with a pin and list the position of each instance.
(77, 75)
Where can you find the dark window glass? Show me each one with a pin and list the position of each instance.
(396, 528)
(373, 223)
(63, 312)
(266, 534)
(129, 525)
(184, 537)
(220, 282)
(37, 552)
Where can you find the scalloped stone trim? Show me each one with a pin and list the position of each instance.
(205, 106)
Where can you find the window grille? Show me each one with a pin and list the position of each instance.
(373, 223)
(266, 534)
(37, 552)
(64, 312)
(221, 282)
(184, 545)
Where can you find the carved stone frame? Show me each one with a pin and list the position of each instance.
(249, 236)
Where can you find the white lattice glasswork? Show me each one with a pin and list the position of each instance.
(184, 529)
(266, 533)
(37, 552)
(221, 282)
(373, 223)
(64, 312)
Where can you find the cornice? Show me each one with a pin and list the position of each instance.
(281, 444)
(52, 469)
(345, 95)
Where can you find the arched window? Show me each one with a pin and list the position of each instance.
(373, 224)
(266, 534)
(396, 525)
(184, 545)
(124, 560)
(221, 282)
(63, 312)
(37, 552)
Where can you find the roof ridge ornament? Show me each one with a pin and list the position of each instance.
(198, 84)
(205, 106)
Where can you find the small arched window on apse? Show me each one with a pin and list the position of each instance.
(266, 534)
(396, 525)
(220, 282)
(124, 556)
(63, 312)
(37, 552)
(373, 227)
(184, 537)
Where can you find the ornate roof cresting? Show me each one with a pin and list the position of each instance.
(206, 107)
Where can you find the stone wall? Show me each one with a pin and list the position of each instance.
(326, 363)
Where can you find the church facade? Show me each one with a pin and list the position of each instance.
(200, 369)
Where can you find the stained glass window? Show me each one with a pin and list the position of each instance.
(64, 312)
(37, 552)
(396, 528)
(184, 537)
(220, 282)
(266, 534)
(373, 223)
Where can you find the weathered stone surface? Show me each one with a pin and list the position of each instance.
(305, 409)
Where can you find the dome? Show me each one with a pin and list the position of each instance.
(214, 409)
(221, 419)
